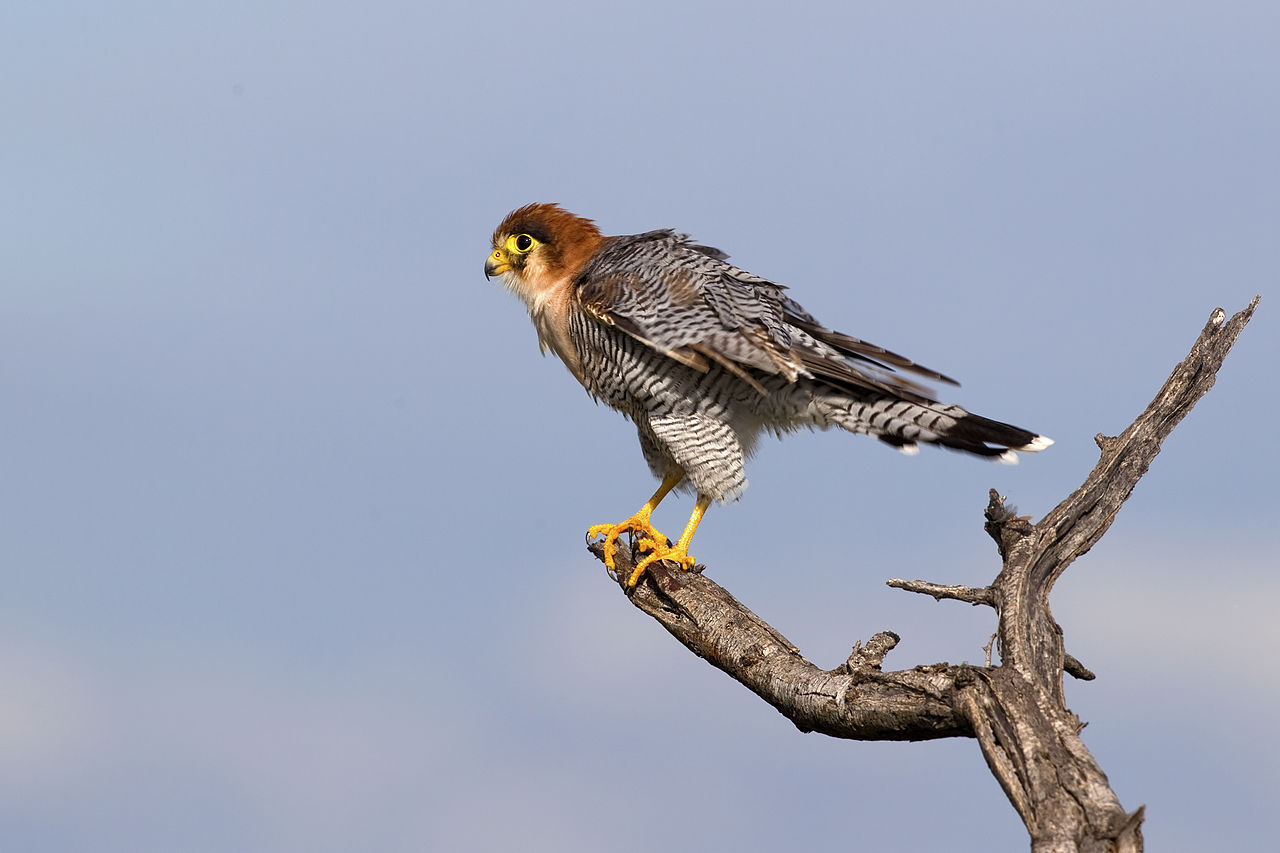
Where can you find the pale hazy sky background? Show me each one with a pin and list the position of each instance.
(292, 512)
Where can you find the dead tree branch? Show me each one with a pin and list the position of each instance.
(1015, 710)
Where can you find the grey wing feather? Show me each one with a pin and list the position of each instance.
(687, 302)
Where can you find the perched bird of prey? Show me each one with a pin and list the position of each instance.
(704, 357)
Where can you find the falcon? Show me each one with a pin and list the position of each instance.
(704, 357)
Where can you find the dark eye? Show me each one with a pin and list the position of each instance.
(523, 242)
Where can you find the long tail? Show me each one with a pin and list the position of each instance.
(906, 424)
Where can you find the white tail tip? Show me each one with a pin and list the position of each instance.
(1035, 445)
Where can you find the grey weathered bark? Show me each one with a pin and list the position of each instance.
(1015, 710)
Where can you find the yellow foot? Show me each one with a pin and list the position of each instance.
(637, 525)
(650, 539)
(678, 554)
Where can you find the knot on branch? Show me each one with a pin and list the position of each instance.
(1075, 669)
(864, 659)
(1004, 525)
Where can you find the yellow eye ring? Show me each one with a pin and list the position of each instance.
(521, 244)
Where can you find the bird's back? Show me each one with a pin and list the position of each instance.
(670, 327)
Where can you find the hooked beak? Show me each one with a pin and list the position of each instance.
(496, 264)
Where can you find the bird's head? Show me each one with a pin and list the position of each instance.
(538, 247)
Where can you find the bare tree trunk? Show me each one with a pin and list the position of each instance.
(1015, 710)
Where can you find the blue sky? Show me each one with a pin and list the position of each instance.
(293, 513)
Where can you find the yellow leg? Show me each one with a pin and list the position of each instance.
(678, 553)
(637, 524)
